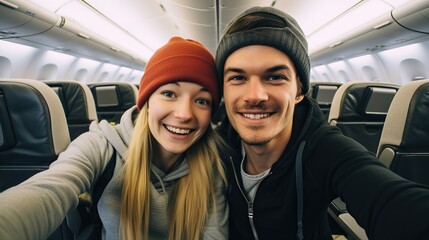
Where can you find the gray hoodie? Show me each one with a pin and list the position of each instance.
(35, 208)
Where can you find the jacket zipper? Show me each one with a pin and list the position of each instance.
(250, 215)
(249, 202)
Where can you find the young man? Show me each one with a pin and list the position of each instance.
(292, 164)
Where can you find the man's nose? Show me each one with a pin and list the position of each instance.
(255, 91)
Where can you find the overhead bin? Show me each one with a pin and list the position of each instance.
(24, 18)
(418, 20)
(409, 24)
(29, 24)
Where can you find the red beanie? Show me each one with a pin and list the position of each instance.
(180, 60)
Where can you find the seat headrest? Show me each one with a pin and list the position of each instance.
(33, 122)
(114, 95)
(362, 101)
(323, 92)
(77, 100)
(406, 121)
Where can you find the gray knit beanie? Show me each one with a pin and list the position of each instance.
(291, 40)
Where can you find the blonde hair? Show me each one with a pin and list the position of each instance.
(191, 195)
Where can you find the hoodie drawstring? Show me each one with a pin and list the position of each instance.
(299, 190)
(160, 181)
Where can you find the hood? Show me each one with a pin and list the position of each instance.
(162, 181)
(119, 135)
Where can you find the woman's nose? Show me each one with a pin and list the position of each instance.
(183, 110)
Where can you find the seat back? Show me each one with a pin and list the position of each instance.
(323, 93)
(404, 143)
(112, 99)
(33, 132)
(359, 109)
(33, 129)
(78, 104)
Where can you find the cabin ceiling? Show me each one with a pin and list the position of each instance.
(150, 23)
(154, 22)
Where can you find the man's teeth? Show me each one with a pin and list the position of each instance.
(256, 116)
(178, 130)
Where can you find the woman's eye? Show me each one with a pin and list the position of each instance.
(203, 101)
(168, 94)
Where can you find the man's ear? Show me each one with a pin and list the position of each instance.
(299, 98)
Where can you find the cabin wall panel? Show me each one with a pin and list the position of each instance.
(321, 73)
(405, 63)
(368, 68)
(20, 61)
(15, 55)
(5, 67)
(341, 71)
(81, 75)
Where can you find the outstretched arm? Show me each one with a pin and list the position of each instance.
(36, 207)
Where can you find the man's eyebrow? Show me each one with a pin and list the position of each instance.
(271, 69)
(231, 69)
(279, 67)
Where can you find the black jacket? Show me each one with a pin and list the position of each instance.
(383, 203)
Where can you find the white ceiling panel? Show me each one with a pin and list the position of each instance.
(194, 19)
(144, 19)
(140, 27)
(311, 14)
(229, 9)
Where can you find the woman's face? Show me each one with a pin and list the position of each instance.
(178, 115)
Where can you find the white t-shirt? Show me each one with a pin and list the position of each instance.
(251, 182)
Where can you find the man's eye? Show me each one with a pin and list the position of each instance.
(236, 78)
(276, 77)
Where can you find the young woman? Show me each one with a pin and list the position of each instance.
(168, 181)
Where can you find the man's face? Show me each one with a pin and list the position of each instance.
(260, 93)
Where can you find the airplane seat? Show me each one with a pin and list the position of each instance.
(78, 104)
(323, 93)
(33, 132)
(359, 110)
(404, 145)
(112, 99)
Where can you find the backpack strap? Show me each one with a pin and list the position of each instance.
(92, 230)
(101, 184)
